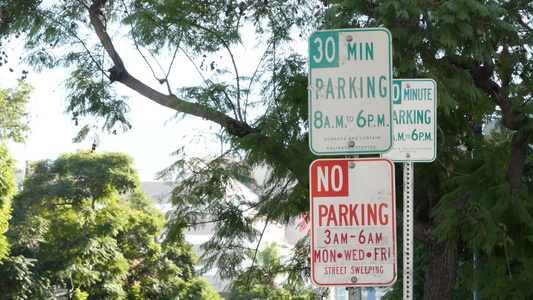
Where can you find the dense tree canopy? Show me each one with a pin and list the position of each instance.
(473, 200)
(75, 232)
(13, 127)
(8, 189)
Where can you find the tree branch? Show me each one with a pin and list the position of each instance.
(120, 74)
(513, 119)
(482, 77)
(423, 231)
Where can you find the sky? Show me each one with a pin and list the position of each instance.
(154, 136)
(155, 133)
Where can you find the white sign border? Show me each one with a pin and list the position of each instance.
(394, 246)
(390, 77)
(434, 132)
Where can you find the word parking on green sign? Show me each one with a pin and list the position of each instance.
(415, 120)
(350, 101)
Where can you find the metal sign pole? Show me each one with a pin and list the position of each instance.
(354, 293)
(408, 174)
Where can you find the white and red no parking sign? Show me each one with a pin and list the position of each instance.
(353, 222)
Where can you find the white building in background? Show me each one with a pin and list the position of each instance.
(285, 236)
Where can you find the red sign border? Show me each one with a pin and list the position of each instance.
(312, 222)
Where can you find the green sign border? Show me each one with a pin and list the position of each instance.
(327, 33)
(400, 80)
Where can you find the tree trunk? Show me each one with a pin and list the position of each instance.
(443, 259)
(442, 271)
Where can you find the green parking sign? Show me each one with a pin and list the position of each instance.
(415, 120)
(350, 92)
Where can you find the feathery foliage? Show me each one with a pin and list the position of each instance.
(473, 201)
(74, 228)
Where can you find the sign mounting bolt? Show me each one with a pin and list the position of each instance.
(351, 165)
(407, 155)
(349, 38)
(351, 144)
(354, 279)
